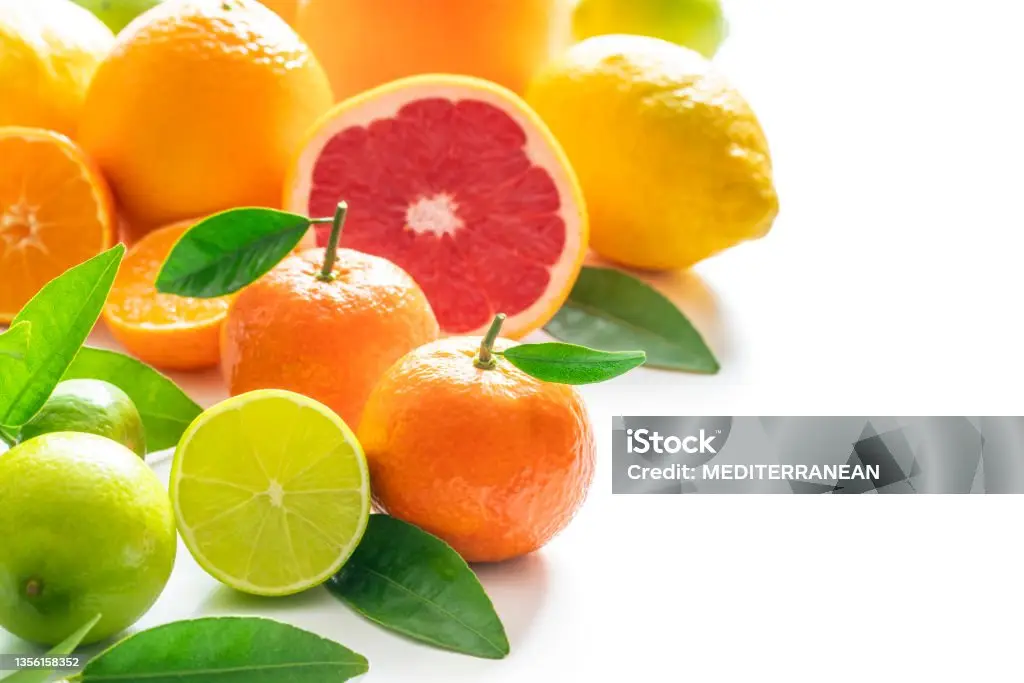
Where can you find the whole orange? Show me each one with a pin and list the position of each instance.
(199, 107)
(331, 341)
(492, 461)
(364, 43)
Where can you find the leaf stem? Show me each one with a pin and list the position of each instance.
(485, 358)
(7, 437)
(327, 272)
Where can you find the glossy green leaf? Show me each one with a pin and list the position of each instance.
(571, 364)
(14, 344)
(225, 650)
(65, 647)
(413, 583)
(608, 309)
(62, 314)
(166, 410)
(230, 250)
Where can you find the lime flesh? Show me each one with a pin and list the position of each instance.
(86, 529)
(271, 492)
(91, 406)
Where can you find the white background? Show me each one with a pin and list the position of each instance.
(890, 285)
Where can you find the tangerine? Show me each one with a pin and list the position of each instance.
(326, 328)
(164, 330)
(473, 450)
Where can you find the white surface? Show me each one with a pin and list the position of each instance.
(890, 285)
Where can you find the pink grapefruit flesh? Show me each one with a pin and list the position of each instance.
(458, 182)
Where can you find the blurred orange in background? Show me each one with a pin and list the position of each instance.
(364, 43)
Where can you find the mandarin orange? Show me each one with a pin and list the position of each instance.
(330, 340)
(199, 108)
(164, 330)
(55, 212)
(480, 454)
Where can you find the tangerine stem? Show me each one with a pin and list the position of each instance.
(331, 255)
(485, 359)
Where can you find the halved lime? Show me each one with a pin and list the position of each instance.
(271, 492)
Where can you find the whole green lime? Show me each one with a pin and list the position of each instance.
(91, 406)
(117, 14)
(86, 529)
(696, 24)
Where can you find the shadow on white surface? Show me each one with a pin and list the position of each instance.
(518, 588)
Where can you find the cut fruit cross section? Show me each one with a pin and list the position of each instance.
(271, 492)
(457, 181)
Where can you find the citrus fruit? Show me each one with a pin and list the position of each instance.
(330, 340)
(673, 162)
(91, 406)
(199, 107)
(286, 9)
(271, 492)
(696, 24)
(88, 529)
(458, 182)
(478, 453)
(117, 14)
(49, 50)
(55, 212)
(164, 330)
(501, 41)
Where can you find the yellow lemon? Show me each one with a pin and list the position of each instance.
(49, 51)
(672, 160)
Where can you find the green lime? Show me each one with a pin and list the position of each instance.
(91, 406)
(271, 492)
(116, 14)
(696, 24)
(87, 529)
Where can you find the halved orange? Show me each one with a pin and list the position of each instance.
(457, 181)
(55, 212)
(164, 330)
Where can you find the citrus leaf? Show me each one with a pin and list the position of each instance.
(227, 251)
(413, 583)
(14, 343)
(166, 410)
(571, 364)
(223, 650)
(62, 314)
(608, 309)
(63, 648)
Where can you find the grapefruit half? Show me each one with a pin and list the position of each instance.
(457, 181)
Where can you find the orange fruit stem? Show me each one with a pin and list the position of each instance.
(485, 358)
(331, 255)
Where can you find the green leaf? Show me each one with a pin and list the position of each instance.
(608, 309)
(166, 410)
(225, 650)
(65, 647)
(14, 344)
(413, 583)
(62, 314)
(227, 251)
(571, 364)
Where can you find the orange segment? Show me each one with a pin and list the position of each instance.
(55, 212)
(164, 330)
